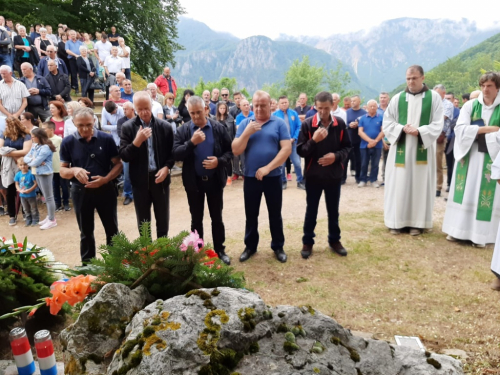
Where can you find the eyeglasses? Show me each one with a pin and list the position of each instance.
(224, 94)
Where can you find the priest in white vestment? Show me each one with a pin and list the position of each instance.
(473, 208)
(495, 261)
(412, 123)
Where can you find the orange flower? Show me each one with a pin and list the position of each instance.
(72, 291)
(153, 252)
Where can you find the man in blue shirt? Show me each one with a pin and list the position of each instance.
(73, 51)
(266, 143)
(293, 124)
(126, 92)
(239, 161)
(370, 132)
(204, 147)
(353, 114)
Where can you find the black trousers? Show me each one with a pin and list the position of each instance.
(158, 196)
(73, 71)
(355, 158)
(450, 163)
(39, 112)
(85, 202)
(273, 192)
(196, 199)
(11, 200)
(332, 199)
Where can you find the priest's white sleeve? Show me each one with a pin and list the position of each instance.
(430, 133)
(390, 126)
(495, 168)
(465, 133)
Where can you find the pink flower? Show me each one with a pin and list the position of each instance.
(192, 240)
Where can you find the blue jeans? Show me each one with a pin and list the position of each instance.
(252, 194)
(295, 159)
(332, 199)
(127, 73)
(127, 185)
(6, 59)
(59, 184)
(370, 155)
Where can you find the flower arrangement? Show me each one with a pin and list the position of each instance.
(166, 266)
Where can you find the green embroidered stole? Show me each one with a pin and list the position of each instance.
(488, 185)
(425, 118)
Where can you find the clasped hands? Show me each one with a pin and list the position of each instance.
(318, 136)
(211, 162)
(411, 130)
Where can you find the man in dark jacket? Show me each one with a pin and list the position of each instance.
(5, 42)
(204, 146)
(58, 82)
(40, 92)
(325, 145)
(43, 69)
(146, 143)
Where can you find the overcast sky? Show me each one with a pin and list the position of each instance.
(326, 17)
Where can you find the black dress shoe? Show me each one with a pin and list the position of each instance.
(247, 254)
(224, 258)
(438, 193)
(280, 255)
(306, 251)
(127, 201)
(338, 249)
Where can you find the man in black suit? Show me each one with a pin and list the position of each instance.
(204, 146)
(146, 143)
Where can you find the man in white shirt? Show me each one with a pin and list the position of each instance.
(112, 65)
(111, 113)
(102, 48)
(156, 108)
(124, 53)
(336, 111)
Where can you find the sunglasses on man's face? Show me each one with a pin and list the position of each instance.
(225, 94)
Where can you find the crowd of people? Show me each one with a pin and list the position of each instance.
(70, 154)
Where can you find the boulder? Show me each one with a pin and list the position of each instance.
(231, 331)
(100, 328)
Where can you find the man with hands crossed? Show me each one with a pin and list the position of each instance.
(146, 143)
(204, 147)
(89, 158)
(265, 140)
(325, 145)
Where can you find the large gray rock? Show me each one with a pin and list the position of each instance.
(230, 331)
(100, 327)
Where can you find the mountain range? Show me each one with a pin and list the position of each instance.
(375, 58)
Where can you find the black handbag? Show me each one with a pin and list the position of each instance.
(96, 85)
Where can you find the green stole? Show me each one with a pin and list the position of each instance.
(425, 118)
(488, 185)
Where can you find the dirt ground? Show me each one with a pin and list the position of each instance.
(388, 285)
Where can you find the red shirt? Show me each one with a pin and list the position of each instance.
(59, 130)
(163, 86)
(119, 103)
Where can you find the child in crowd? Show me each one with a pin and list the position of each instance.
(58, 183)
(26, 185)
(40, 156)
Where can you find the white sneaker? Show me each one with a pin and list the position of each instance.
(362, 184)
(375, 185)
(49, 224)
(480, 245)
(44, 221)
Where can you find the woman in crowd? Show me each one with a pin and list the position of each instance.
(183, 111)
(59, 116)
(61, 49)
(86, 72)
(170, 111)
(40, 157)
(87, 42)
(86, 102)
(29, 122)
(18, 141)
(222, 115)
(22, 44)
(42, 42)
(69, 126)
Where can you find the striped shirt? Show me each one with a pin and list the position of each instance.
(11, 97)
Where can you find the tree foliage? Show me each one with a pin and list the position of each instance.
(148, 26)
(302, 77)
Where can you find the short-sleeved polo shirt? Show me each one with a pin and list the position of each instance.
(264, 145)
(73, 47)
(94, 156)
(12, 96)
(372, 126)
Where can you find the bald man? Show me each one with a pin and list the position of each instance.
(146, 143)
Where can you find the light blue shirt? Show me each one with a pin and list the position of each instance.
(73, 47)
(40, 154)
(151, 151)
(109, 122)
